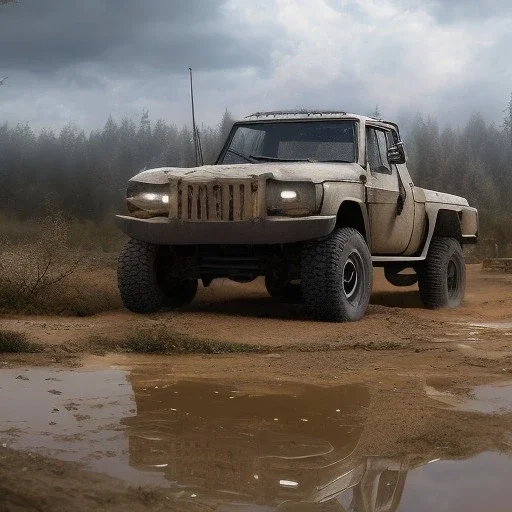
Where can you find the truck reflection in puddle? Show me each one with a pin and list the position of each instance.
(300, 451)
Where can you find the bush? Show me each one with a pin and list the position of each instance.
(17, 342)
(30, 268)
(162, 340)
(42, 269)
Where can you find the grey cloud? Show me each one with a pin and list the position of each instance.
(46, 36)
(452, 11)
(81, 61)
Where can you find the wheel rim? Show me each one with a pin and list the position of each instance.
(352, 277)
(452, 279)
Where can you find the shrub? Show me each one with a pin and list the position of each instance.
(17, 342)
(28, 269)
(42, 270)
(162, 340)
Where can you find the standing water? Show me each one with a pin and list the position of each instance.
(223, 447)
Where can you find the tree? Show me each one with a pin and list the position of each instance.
(85, 175)
(225, 125)
(376, 114)
(507, 122)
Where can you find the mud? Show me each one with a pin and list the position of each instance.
(408, 409)
(244, 313)
(223, 443)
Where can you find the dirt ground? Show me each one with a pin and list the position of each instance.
(416, 363)
(243, 313)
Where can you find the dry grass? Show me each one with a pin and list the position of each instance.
(17, 342)
(55, 266)
(162, 340)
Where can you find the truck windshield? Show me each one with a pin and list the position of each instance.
(294, 141)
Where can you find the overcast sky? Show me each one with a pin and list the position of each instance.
(79, 61)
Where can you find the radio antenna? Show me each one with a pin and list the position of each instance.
(197, 141)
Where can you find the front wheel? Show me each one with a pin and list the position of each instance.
(143, 279)
(336, 276)
(442, 277)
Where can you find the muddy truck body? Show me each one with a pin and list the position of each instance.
(309, 200)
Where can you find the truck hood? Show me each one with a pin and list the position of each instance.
(431, 196)
(317, 172)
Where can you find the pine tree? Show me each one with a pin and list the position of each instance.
(376, 114)
(507, 122)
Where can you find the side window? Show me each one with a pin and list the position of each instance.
(383, 150)
(391, 138)
(377, 150)
(372, 149)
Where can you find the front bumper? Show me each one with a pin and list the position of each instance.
(277, 230)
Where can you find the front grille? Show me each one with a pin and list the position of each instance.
(214, 200)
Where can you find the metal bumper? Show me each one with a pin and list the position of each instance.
(278, 230)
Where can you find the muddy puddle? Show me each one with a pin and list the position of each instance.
(504, 325)
(490, 398)
(288, 447)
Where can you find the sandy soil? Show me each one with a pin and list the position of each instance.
(244, 313)
(407, 356)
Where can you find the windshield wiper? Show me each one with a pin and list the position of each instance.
(338, 161)
(262, 158)
(241, 155)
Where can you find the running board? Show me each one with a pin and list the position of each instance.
(397, 259)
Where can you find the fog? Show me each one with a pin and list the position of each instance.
(98, 90)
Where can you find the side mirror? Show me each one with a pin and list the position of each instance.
(396, 153)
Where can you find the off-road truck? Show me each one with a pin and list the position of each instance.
(309, 200)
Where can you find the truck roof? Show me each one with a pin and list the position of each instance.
(307, 114)
(304, 114)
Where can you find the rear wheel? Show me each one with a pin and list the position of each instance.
(144, 279)
(336, 276)
(442, 278)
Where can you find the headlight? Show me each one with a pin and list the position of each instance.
(293, 198)
(147, 200)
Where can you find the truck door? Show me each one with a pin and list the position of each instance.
(390, 202)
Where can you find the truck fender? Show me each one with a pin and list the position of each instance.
(459, 222)
(353, 214)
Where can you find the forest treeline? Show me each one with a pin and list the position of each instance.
(85, 176)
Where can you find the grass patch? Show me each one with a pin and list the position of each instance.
(17, 342)
(377, 345)
(162, 340)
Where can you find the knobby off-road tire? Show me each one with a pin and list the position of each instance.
(442, 277)
(336, 276)
(283, 290)
(142, 280)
